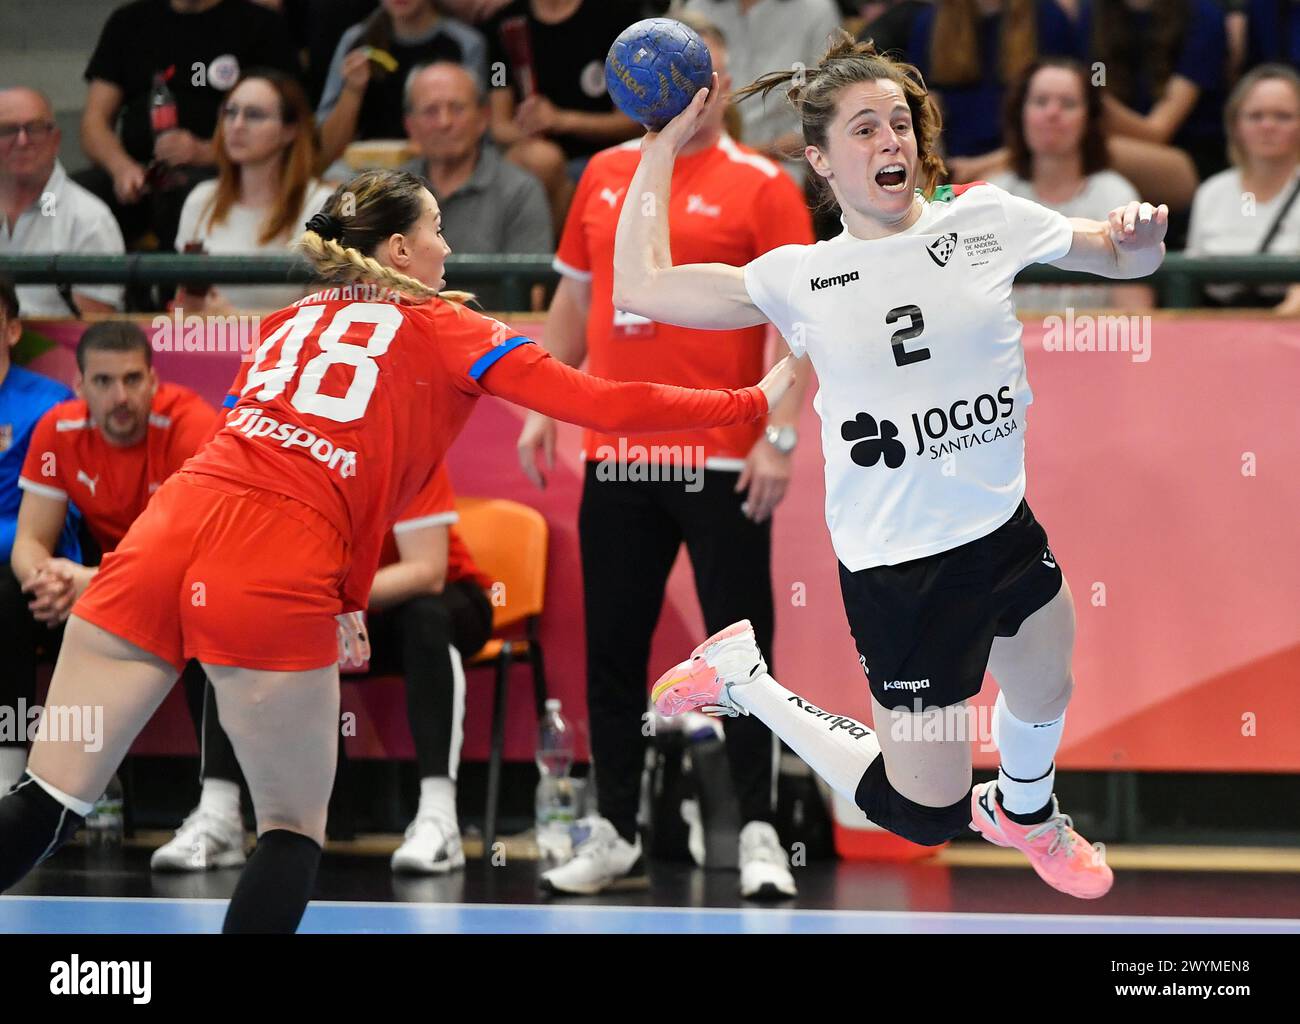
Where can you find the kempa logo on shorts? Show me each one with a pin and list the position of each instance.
(907, 684)
(818, 283)
(855, 729)
(252, 422)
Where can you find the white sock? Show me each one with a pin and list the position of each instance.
(12, 762)
(220, 797)
(437, 799)
(836, 747)
(1027, 772)
(70, 802)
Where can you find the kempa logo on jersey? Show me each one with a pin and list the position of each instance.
(252, 422)
(818, 283)
(906, 684)
(855, 729)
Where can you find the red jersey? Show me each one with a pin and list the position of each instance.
(70, 458)
(352, 398)
(728, 205)
(435, 505)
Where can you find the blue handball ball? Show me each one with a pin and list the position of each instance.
(654, 68)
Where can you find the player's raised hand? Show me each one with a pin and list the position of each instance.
(1137, 226)
(677, 132)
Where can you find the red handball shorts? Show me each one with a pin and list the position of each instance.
(225, 573)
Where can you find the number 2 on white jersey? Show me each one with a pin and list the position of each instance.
(271, 381)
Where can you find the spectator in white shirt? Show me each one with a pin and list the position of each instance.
(1059, 159)
(1237, 210)
(43, 211)
(264, 191)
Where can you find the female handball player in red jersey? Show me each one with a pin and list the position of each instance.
(909, 321)
(247, 556)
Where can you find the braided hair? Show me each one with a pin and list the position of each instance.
(362, 213)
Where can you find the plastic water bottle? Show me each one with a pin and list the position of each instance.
(555, 803)
(105, 823)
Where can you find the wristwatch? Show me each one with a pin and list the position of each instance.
(783, 439)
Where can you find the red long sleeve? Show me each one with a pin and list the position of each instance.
(531, 377)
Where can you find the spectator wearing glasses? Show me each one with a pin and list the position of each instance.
(264, 191)
(42, 210)
(200, 47)
(488, 204)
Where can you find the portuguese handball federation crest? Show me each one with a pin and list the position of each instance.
(942, 248)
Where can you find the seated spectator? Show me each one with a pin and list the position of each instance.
(362, 98)
(969, 52)
(429, 609)
(1059, 160)
(198, 48)
(1254, 206)
(264, 191)
(1272, 32)
(769, 37)
(24, 398)
(1165, 65)
(43, 211)
(488, 204)
(552, 115)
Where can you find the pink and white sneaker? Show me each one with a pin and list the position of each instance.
(1061, 857)
(704, 681)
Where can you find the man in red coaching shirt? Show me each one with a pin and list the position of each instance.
(106, 452)
(644, 496)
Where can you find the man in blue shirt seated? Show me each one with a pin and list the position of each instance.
(24, 398)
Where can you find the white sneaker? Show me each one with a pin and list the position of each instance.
(432, 847)
(603, 861)
(204, 841)
(764, 868)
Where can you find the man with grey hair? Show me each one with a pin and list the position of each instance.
(43, 211)
(488, 204)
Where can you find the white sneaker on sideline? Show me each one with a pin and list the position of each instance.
(603, 861)
(764, 868)
(432, 847)
(204, 842)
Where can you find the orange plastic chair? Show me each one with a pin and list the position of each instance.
(508, 543)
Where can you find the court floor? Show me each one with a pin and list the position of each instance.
(83, 890)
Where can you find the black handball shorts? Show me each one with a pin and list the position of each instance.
(924, 628)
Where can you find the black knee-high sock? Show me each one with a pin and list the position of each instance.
(277, 882)
(32, 826)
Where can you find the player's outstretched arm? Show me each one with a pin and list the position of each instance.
(705, 295)
(534, 379)
(1128, 244)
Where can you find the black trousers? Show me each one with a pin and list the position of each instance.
(630, 532)
(22, 638)
(411, 638)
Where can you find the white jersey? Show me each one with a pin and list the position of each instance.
(916, 345)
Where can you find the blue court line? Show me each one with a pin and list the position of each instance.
(149, 915)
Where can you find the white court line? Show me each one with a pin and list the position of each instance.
(546, 908)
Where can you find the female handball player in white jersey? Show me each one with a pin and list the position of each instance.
(246, 556)
(909, 321)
